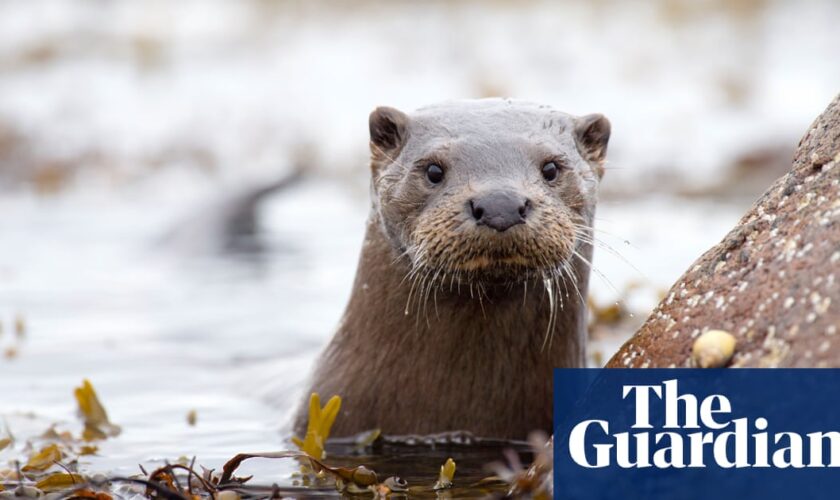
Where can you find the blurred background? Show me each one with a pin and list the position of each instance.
(141, 242)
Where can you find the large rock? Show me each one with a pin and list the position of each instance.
(773, 282)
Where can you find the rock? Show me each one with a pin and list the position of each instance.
(774, 280)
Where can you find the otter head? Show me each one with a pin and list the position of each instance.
(488, 190)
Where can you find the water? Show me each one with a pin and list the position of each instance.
(161, 331)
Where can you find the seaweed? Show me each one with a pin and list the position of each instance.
(53, 468)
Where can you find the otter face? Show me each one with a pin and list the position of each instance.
(488, 190)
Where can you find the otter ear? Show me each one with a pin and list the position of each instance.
(387, 130)
(592, 133)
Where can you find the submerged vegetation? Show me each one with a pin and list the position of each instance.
(52, 466)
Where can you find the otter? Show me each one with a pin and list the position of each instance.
(473, 274)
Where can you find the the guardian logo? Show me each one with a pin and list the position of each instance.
(693, 433)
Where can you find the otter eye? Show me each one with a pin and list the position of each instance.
(549, 171)
(434, 173)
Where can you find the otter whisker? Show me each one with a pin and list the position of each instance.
(417, 262)
(597, 272)
(481, 291)
(558, 278)
(582, 223)
(435, 292)
(560, 272)
(417, 281)
(387, 156)
(592, 240)
(571, 275)
(547, 284)
(405, 253)
(429, 288)
(421, 306)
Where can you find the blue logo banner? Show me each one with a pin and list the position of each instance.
(696, 434)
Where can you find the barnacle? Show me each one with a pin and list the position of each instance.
(713, 349)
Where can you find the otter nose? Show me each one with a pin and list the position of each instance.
(500, 210)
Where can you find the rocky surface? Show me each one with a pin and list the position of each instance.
(774, 280)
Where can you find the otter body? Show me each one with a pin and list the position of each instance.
(471, 283)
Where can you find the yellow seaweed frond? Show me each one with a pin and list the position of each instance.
(44, 459)
(59, 481)
(447, 474)
(88, 450)
(97, 425)
(89, 406)
(318, 428)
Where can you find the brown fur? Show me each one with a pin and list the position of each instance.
(449, 326)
